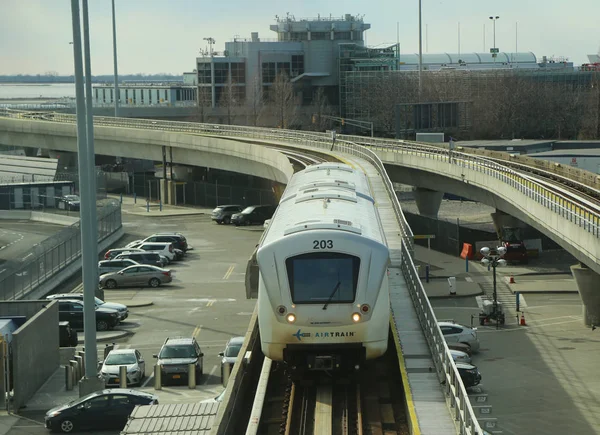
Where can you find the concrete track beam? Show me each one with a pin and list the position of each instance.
(428, 201)
(588, 284)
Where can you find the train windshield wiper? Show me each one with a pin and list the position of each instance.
(335, 289)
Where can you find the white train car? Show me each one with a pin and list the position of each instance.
(323, 299)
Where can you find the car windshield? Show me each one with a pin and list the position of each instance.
(178, 351)
(248, 210)
(120, 358)
(72, 197)
(233, 350)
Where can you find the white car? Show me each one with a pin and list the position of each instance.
(459, 356)
(457, 333)
(132, 359)
(164, 249)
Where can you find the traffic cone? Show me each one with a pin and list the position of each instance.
(523, 319)
(512, 280)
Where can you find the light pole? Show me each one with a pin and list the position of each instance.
(493, 260)
(114, 28)
(495, 52)
(420, 51)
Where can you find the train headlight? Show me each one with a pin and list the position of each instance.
(356, 317)
(291, 318)
(281, 310)
(365, 308)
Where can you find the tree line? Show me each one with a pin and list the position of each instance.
(51, 77)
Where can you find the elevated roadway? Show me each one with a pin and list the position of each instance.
(573, 223)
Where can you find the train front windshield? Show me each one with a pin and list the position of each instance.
(324, 277)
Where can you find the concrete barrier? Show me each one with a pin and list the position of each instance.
(52, 218)
(15, 214)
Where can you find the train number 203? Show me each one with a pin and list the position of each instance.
(322, 244)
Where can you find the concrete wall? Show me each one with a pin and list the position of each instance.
(35, 346)
(194, 150)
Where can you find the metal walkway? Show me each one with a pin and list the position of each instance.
(429, 405)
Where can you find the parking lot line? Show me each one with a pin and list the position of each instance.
(212, 372)
(147, 381)
(197, 330)
(228, 273)
(211, 302)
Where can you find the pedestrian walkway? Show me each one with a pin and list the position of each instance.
(140, 207)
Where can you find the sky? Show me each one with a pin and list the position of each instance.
(165, 36)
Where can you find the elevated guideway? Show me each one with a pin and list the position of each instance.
(563, 215)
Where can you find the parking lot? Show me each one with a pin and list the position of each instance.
(539, 378)
(206, 300)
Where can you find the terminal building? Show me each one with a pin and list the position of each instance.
(145, 94)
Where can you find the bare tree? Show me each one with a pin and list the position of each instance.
(322, 109)
(257, 101)
(229, 100)
(204, 103)
(283, 100)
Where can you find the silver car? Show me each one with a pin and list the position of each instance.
(230, 354)
(132, 359)
(457, 333)
(136, 276)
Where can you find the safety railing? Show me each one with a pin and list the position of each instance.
(22, 276)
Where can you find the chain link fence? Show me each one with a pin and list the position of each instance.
(20, 277)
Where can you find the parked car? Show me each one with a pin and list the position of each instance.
(175, 356)
(222, 213)
(232, 349)
(180, 236)
(69, 202)
(255, 214)
(132, 359)
(164, 249)
(136, 276)
(456, 333)
(143, 257)
(113, 253)
(104, 409)
(120, 308)
(107, 266)
(461, 347)
(469, 374)
(459, 356)
(67, 336)
(71, 310)
(179, 242)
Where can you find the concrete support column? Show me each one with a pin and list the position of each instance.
(172, 194)
(589, 289)
(164, 191)
(428, 201)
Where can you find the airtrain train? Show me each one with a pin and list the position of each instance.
(323, 299)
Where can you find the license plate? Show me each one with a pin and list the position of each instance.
(176, 376)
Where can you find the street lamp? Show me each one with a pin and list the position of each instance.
(420, 53)
(494, 53)
(494, 260)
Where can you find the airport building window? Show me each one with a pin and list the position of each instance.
(320, 36)
(283, 67)
(142, 96)
(204, 73)
(358, 35)
(297, 65)
(268, 72)
(299, 36)
(342, 35)
(104, 95)
(238, 72)
(221, 72)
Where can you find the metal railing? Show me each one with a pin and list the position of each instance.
(456, 394)
(21, 276)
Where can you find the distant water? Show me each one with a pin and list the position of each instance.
(42, 90)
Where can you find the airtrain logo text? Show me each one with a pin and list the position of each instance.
(299, 334)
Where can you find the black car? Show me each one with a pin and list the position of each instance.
(222, 213)
(72, 311)
(69, 202)
(150, 258)
(175, 356)
(104, 409)
(254, 214)
(178, 240)
(67, 337)
(469, 374)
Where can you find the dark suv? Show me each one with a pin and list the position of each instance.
(254, 214)
(72, 311)
(222, 214)
(175, 356)
(178, 241)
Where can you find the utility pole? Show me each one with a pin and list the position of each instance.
(420, 54)
(114, 28)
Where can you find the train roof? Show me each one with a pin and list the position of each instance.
(326, 196)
